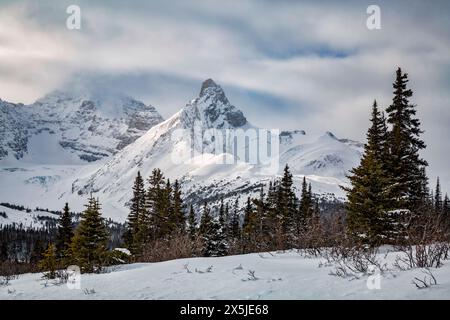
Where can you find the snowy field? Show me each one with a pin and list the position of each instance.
(276, 276)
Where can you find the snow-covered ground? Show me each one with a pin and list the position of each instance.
(278, 276)
(34, 219)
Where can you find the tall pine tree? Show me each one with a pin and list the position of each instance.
(192, 223)
(438, 197)
(178, 218)
(287, 205)
(368, 196)
(89, 243)
(137, 211)
(234, 225)
(305, 209)
(406, 167)
(65, 233)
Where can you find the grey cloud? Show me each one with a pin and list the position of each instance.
(309, 65)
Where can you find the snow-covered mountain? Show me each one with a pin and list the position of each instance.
(324, 158)
(87, 126)
(72, 145)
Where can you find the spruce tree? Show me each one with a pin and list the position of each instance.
(178, 218)
(446, 205)
(65, 233)
(166, 212)
(48, 264)
(220, 239)
(305, 208)
(212, 235)
(446, 212)
(262, 226)
(206, 232)
(438, 198)
(368, 196)
(273, 221)
(227, 219)
(37, 251)
(249, 227)
(406, 167)
(192, 224)
(89, 243)
(223, 217)
(153, 217)
(137, 210)
(287, 208)
(234, 225)
(3, 251)
(220, 232)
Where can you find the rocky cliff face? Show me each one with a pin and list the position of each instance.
(13, 130)
(89, 126)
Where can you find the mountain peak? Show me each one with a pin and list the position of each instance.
(208, 83)
(213, 108)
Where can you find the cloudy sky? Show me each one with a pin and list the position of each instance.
(286, 64)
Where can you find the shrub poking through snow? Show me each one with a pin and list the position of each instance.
(428, 280)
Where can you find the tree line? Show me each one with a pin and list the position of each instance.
(158, 219)
(59, 243)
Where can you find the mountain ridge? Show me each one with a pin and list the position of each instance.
(170, 145)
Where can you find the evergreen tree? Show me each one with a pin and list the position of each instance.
(166, 212)
(37, 253)
(153, 218)
(368, 195)
(406, 167)
(316, 211)
(438, 198)
(206, 231)
(220, 239)
(446, 205)
(192, 224)
(222, 217)
(227, 220)
(212, 235)
(3, 251)
(65, 233)
(234, 225)
(222, 212)
(249, 227)
(137, 210)
(261, 219)
(287, 208)
(49, 263)
(178, 219)
(89, 243)
(305, 209)
(446, 212)
(273, 221)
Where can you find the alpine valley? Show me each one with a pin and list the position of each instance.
(71, 143)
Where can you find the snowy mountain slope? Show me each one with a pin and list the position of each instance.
(323, 155)
(278, 275)
(48, 148)
(324, 158)
(13, 137)
(85, 124)
(27, 218)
